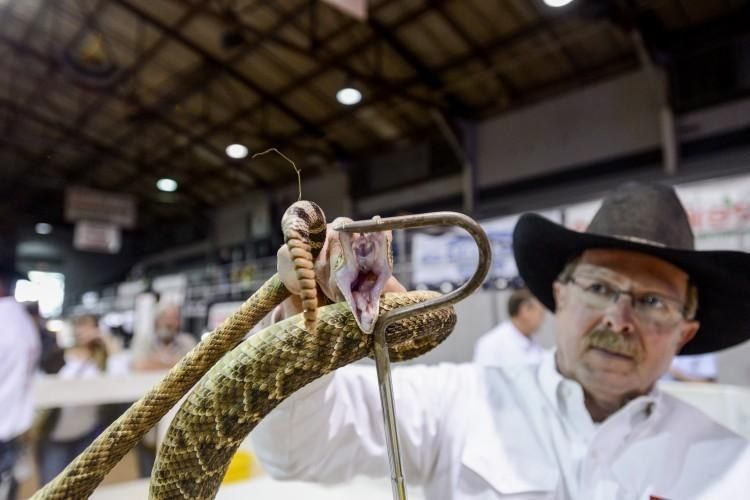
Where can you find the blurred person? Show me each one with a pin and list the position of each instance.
(512, 342)
(166, 347)
(65, 432)
(19, 354)
(52, 357)
(697, 368)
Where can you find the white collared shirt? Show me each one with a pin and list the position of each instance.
(506, 345)
(487, 433)
(702, 366)
(19, 354)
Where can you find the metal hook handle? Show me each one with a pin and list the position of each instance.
(382, 361)
(423, 220)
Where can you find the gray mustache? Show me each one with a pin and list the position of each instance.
(617, 343)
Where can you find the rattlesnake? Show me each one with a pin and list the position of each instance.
(247, 383)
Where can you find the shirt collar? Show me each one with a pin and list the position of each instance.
(518, 337)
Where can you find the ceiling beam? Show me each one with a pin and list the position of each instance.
(322, 67)
(314, 53)
(424, 74)
(147, 114)
(247, 49)
(145, 169)
(55, 68)
(508, 87)
(262, 93)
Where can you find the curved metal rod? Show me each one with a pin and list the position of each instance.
(380, 346)
(423, 220)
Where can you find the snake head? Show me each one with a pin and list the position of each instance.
(361, 271)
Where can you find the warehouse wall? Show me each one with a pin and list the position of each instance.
(611, 119)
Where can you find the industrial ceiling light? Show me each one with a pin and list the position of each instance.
(167, 185)
(348, 96)
(236, 151)
(43, 228)
(557, 3)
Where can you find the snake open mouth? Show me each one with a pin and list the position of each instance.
(362, 275)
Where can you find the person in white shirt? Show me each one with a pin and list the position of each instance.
(697, 368)
(588, 421)
(65, 432)
(512, 342)
(19, 354)
(168, 345)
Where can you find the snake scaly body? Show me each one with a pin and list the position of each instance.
(81, 477)
(255, 377)
(244, 385)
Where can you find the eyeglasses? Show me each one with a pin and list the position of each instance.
(648, 307)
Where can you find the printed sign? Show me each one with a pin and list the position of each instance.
(89, 204)
(718, 210)
(100, 237)
(452, 256)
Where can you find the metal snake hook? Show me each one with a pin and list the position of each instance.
(382, 362)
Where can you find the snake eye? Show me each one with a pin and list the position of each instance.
(339, 262)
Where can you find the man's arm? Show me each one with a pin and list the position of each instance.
(332, 429)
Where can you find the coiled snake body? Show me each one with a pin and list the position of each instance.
(246, 383)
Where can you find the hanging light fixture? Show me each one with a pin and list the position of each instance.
(557, 3)
(43, 228)
(167, 185)
(236, 151)
(348, 95)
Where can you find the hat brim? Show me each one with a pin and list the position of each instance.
(542, 248)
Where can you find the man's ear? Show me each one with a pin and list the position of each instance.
(688, 331)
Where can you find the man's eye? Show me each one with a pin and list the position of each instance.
(599, 289)
(652, 302)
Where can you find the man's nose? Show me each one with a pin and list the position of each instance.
(619, 316)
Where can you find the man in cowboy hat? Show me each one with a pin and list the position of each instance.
(587, 422)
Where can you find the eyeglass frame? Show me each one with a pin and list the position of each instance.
(684, 308)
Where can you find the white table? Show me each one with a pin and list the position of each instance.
(51, 391)
(265, 488)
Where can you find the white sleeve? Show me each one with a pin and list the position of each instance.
(699, 365)
(491, 349)
(482, 350)
(705, 366)
(332, 429)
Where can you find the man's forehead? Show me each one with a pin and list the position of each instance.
(637, 266)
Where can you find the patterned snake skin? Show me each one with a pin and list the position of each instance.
(244, 385)
(83, 475)
(263, 371)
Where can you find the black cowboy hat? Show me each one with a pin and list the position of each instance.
(650, 219)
